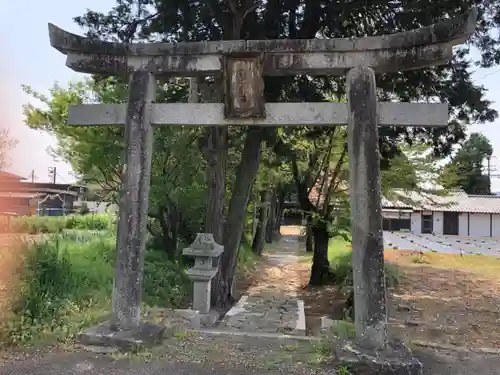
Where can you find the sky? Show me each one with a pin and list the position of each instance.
(31, 60)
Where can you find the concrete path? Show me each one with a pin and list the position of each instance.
(271, 304)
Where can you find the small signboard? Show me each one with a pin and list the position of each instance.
(243, 86)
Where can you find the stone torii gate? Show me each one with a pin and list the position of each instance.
(241, 65)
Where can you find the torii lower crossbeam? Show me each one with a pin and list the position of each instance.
(277, 114)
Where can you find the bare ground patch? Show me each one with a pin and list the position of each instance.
(448, 299)
(441, 298)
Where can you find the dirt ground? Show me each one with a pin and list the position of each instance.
(446, 299)
(446, 307)
(285, 277)
(442, 299)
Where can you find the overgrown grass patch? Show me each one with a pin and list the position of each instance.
(247, 259)
(67, 284)
(56, 224)
(340, 257)
(482, 265)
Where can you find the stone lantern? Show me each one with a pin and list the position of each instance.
(206, 253)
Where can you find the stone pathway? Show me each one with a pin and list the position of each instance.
(271, 305)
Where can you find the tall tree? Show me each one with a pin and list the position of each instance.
(318, 160)
(466, 169)
(273, 175)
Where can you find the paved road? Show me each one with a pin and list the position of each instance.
(83, 363)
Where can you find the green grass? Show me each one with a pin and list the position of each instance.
(56, 224)
(247, 259)
(67, 283)
(66, 286)
(340, 257)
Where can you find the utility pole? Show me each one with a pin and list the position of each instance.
(33, 176)
(488, 159)
(52, 174)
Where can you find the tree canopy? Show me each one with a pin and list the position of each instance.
(466, 171)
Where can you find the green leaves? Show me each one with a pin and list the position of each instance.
(465, 171)
(96, 153)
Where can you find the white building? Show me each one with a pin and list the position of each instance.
(455, 214)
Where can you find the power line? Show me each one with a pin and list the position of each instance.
(496, 71)
(62, 178)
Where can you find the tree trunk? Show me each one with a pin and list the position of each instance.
(254, 219)
(320, 270)
(279, 212)
(216, 155)
(169, 220)
(309, 240)
(260, 236)
(309, 236)
(272, 217)
(245, 175)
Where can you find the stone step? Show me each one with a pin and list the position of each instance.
(271, 315)
(258, 335)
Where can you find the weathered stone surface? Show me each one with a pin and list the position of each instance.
(277, 114)
(98, 64)
(406, 50)
(174, 319)
(395, 359)
(364, 187)
(455, 30)
(274, 64)
(143, 335)
(131, 233)
(266, 314)
(201, 293)
(204, 245)
(210, 318)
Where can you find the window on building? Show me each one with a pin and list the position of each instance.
(427, 226)
(396, 225)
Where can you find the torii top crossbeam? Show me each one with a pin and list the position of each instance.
(413, 49)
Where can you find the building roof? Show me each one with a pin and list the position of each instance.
(10, 176)
(32, 188)
(18, 194)
(457, 201)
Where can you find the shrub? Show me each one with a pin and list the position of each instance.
(166, 283)
(246, 257)
(340, 257)
(420, 258)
